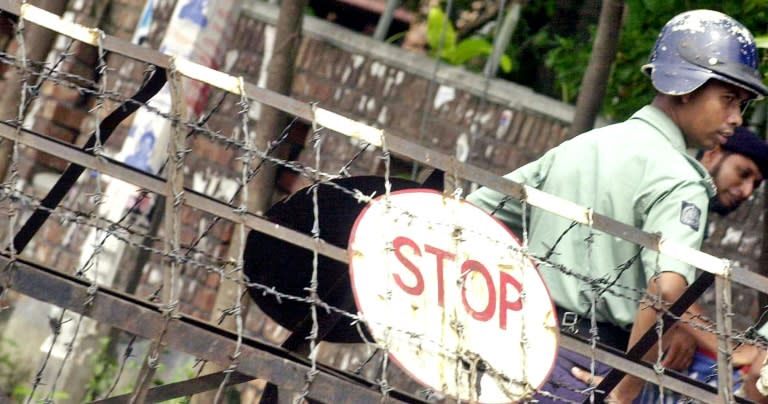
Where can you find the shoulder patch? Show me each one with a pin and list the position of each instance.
(690, 215)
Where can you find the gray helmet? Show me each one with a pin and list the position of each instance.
(699, 45)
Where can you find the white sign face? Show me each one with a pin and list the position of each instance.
(443, 286)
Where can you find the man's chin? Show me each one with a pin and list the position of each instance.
(715, 205)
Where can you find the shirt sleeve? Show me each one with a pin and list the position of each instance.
(507, 209)
(679, 215)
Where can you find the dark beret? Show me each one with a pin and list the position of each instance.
(750, 145)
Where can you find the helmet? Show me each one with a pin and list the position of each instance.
(699, 45)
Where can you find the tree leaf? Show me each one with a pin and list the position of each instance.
(505, 63)
(762, 41)
(468, 49)
(439, 26)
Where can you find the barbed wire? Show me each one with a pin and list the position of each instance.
(127, 354)
(80, 218)
(97, 199)
(271, 290)
(237, 309)
(265, 288)
(195, 127)
(55, 333)
(173, 203)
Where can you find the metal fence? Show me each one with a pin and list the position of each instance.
(242, 358)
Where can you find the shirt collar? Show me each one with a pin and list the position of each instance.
(667, 128)
(661, 122)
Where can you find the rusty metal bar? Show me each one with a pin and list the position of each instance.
(180, 389)
(260, 360)
(154, 57)
(201, 339)
(619, 361)
(157, 185)
(438, 160)
(749, 278)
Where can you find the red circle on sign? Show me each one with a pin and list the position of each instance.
(447, 290)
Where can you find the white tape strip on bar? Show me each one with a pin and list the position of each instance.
(207, 75)
(716, 266)
(91, 36)
(55, 23)
(580, 214)
(562, 207)
(359, 130)
(349, 127)
(202, 73)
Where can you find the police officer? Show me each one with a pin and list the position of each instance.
(737, 167)
(704, 68)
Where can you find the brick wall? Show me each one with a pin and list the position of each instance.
(440, 116)
(62, 112)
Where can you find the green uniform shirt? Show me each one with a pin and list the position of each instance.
(636, 172)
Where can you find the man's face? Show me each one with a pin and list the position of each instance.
(736, 177)
(709, 115)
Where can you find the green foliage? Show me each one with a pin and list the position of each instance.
(565, 52)
(13, 378)
(104, 368)
(567, 59)
(442, 41)
(762, 41)
(440, 31)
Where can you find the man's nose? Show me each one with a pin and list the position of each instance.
(734, 117)
(746, 189)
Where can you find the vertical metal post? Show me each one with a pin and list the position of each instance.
(385, 20)
(501, 41)
(173, 202)
(723, 307)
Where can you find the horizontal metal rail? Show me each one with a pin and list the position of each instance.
(126, 48)
(508, 93)
(678, 383)
(184, 388)
(446, 163)
(259, 360)
(201, 339)
(157, 185)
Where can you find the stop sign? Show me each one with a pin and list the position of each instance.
(445, 289)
